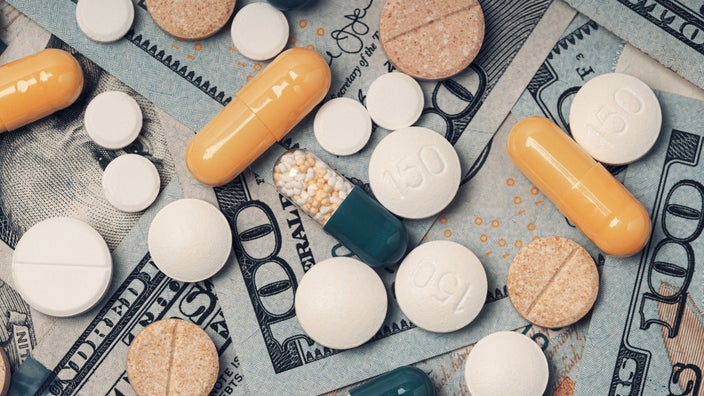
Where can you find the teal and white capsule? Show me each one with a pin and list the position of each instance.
(344, 210)
(406, 380)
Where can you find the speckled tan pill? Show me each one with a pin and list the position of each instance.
(172, 357)
(190, 19)
(432, 39)
(553, 282)
(4, 373)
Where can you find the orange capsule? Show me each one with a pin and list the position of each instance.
(263, 112)
(582, 189)
(37, 85)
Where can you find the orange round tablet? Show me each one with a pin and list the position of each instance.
(191, 19)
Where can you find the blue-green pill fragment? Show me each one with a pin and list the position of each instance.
(405, 381)
(288, 4)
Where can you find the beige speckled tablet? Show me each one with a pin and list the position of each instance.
(432, 39)
(191, 19)
(172, 357)
(4, 373)
(553, 282)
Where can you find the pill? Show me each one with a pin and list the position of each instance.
(263, 112)
(431, 40)
(189, 240)
(190, 19)
(61, 266)
(345, 211)
(5, 373)
(259, 31)
(341, 303)
(113, 120)
(441, 286)
(288, 4)
(131, 183)
(342, 126)
(172, 357)
(395, 100)
(552, 282)
(404, 380)
(104, 21)
(582, 189)
(414, 172)
(616, 118)
(508, 364)
(36, 86)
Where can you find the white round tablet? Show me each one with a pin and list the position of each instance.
(131, 183)
(342, 126)
(189, 240)
(259, 31)
(61, 267)
(104, 20)
(341, 303)
(395, 100)
(616, 118)
(113, 120)
(414, 172)
(441, 286)
(508, 364)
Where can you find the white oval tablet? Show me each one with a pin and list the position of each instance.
(508, 364)
(395, 100)
(341, 303)
(616, 118)
(104, 20)
(189, 240)
(342, 126)
(414, 172)
(61, 267)
(131, 183)
(441, 286)
(259, 31)
(113, 120)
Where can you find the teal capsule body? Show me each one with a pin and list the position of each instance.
(406, 381)
(288, 4)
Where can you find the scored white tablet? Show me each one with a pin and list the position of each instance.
(131, 183)
(259, 31)
(104, 21)
(342, 126)
(113, 120)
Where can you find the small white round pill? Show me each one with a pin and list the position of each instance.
(113, 120)
(342, 126)
(104, 21)
(395, 100)
(61, 267)
(131, 183)
(616, 118)
(341, 303)
(508, 364)
(441, 286)
(189, 240)
(259, 31)
(414, 172)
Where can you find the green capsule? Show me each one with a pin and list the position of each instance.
(406, 381)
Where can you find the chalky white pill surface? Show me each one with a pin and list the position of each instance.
(395, 100)
(342, 126)
(104, 20)
(414, 172)
(616, 118)
(131, 183)
(189, 240)
(113, 120)
(441, 286)
(508, 364)
(61, 266)
(259, 31)
(341, 303)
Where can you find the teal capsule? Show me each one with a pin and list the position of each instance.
(406, 381)
(288, 4)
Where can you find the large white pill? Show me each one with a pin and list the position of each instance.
(616, 118)
(259, 31)
(441, 286)
(341, 303)
(508, 364)
(131, 183)
(414, 172)
(113, 120)
(61, 266)
(104, 20)
(189, 240)
(395, 100)
(342, 126)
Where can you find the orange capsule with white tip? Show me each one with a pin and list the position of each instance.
(581, 188)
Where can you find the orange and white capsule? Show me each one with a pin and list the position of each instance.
(582, 189)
